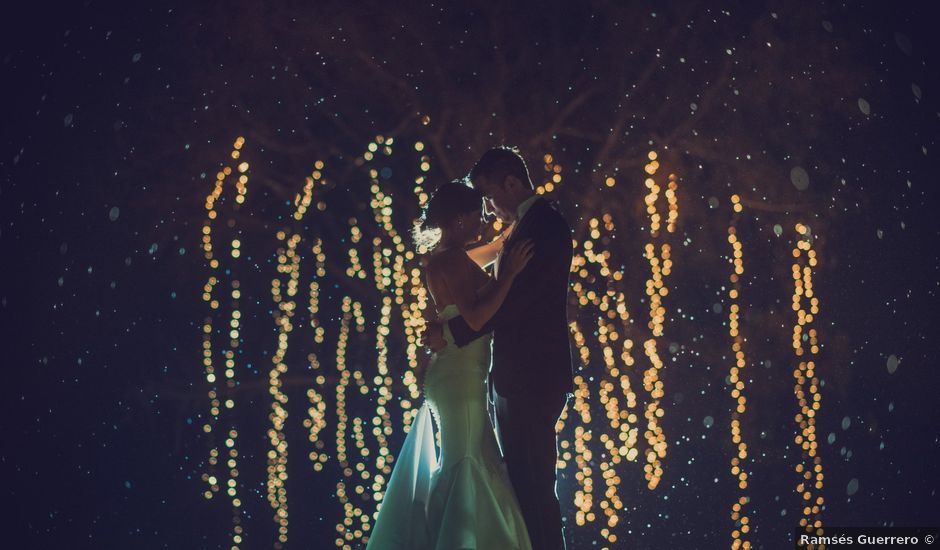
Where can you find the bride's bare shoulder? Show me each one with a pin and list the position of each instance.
(441, 272)
(444, 261)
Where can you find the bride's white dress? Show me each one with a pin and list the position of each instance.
(461, 499)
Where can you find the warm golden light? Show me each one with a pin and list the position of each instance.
(228, 351)
(807, 382)
(739, 518)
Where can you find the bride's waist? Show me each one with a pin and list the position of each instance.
(473, 354)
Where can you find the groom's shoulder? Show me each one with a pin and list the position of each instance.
(549, 206)
(553, 211)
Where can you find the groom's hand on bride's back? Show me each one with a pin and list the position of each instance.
(433, 336)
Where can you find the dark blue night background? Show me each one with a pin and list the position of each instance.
(116, 117)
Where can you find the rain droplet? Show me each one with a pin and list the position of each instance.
(716, 308)
(904, 43)
(153, 248)
(832, 438)
(916, 89)
(893, 363)
(827, 25)
(799, 178)
(712, 202)
(68, 120)
(852, 487)
(114, 213)
(846, 422)
(778, 229)
(863, 106)
(708, 421)
(880, 233)
(135, 58)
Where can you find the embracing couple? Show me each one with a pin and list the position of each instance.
(493, 485)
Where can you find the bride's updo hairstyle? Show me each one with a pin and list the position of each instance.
(449, 201)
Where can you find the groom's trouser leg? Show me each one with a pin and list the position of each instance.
(527, 433)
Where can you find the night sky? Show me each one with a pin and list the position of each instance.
(116, 120)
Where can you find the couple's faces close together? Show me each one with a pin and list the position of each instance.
(497, 198)
(469, 226)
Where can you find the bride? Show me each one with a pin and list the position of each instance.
(462, 499)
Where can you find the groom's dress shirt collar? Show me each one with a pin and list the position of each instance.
(524, 207)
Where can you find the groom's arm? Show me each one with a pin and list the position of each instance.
(547, 270)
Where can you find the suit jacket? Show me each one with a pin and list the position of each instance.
(531, 349)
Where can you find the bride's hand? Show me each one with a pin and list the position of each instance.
(516, 257)
(500, 240)
(432, 338)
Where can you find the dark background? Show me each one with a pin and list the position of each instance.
(115, 105)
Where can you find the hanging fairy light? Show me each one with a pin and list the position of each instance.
(344, 533)
(656, 290)
(739, 517)
(595, 285)
(806, 382)
(552, 178)
(218, 408)
(614, 419)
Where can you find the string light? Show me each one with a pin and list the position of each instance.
(603, 429)
(419, 190)
(660, 268)
(316, 413)
(552, 177)
(596, 286)
(303, 200)
(806, 386)
(673, 200)
(742, 523)
(344, 533)
(234, 323)
(284, 289)
(583, 497)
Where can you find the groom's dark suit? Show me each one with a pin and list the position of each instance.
(531, 374)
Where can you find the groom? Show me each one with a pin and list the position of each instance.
(531, 375)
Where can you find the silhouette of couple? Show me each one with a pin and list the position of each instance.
(501, 349)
